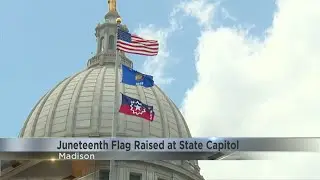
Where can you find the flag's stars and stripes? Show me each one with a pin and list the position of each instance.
(134, 44)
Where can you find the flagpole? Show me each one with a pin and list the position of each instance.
(113, 165)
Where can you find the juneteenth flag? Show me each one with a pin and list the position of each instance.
(135, 78)
(134, 44)
(134, 107)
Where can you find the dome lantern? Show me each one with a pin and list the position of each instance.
(105, 34)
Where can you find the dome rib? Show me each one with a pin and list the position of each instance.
(174, 113)
(180, 119)
(145, 125)
(122, 125)
(96, 104)
(184, 122)
(164, 122)
(125, 89)
(51, 114)
(36, 118)
(74, 103)
(22, 132)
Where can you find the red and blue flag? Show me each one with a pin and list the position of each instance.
(134, 107)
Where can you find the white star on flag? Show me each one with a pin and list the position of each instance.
(135, 108)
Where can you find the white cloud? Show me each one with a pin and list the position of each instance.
(227, 15)
(200, 9)
(252, 87)
(156, 65)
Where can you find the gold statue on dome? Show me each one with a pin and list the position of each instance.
(112, 5)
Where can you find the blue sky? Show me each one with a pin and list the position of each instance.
(43, 42)
(238, 87)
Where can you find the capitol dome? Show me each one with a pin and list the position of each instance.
(82, 105)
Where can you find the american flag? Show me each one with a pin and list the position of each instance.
(134, 44)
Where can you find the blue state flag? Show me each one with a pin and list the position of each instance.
(135, 78)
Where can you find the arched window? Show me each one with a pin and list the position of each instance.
(101, 44)
(111, 42)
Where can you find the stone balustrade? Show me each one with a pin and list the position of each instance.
(105, 58)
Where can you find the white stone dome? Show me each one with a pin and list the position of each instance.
(82, 105)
